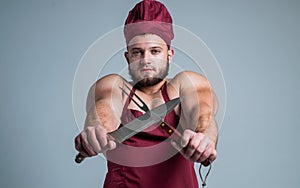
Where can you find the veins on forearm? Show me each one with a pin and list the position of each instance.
(212, 131)
(101, 114)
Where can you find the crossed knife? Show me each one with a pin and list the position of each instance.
(139, 124)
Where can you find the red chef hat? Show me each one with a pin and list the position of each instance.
(149, 16)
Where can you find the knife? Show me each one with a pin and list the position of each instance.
(139, 124)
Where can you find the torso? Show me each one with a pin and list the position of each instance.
(147, 159)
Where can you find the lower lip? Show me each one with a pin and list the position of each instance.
(147, 70)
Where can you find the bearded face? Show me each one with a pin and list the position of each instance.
(148, 59)
(149, 76)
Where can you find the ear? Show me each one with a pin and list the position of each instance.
(170, 54)
(126, 57)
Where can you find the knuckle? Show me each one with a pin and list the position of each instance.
(201, 136)
(187, 131)
(77, 147)
(82, 135)
(183, 142)
(100, 131)
(214, 155)
(77, 140)
(201, 149)
(89, 129)
(192, 146)
(205, 155)
(198, 152)
(78, 144)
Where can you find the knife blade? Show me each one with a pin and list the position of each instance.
(146, 120)
(139, 124)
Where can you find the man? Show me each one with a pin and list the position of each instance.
(148, 32)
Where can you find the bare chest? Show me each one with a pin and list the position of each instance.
(155, 99)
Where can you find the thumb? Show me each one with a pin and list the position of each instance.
(111, 145)
(176, 146)
(186, 136)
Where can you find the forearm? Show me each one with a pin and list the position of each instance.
(212, 131)
(206, 120)
(102, 114)
(200, 106)
(207, 125)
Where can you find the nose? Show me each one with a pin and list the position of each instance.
(146, 57)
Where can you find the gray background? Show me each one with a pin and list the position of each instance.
(256, 43)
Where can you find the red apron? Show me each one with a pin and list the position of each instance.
(147, 160)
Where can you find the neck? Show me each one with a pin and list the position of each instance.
(152, 89)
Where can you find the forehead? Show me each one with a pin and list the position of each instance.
(147, 40)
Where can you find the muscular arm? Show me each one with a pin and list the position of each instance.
(197, 116)
(104, 108)
(104, 103)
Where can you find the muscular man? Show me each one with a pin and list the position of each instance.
(148, 32)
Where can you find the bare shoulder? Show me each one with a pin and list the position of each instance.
(109, 81)
(187, 84)
(103, 90)
(104, 86)
(188, 80)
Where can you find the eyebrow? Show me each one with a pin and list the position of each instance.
(156, 47)
(153, 47)
(135, 48)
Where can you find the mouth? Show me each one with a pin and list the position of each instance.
(147, 69)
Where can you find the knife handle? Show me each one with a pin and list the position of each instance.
(173, 132)
(79, 157)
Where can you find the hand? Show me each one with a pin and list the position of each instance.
(196, 147)
(93, 140)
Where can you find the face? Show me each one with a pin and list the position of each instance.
(148, 59)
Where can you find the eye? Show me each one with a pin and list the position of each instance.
(135, 53)
(155, 51)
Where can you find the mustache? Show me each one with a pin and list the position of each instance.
(150, 61)
(147, 67)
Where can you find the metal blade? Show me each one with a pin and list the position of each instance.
(146, 120)
(166, 108)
